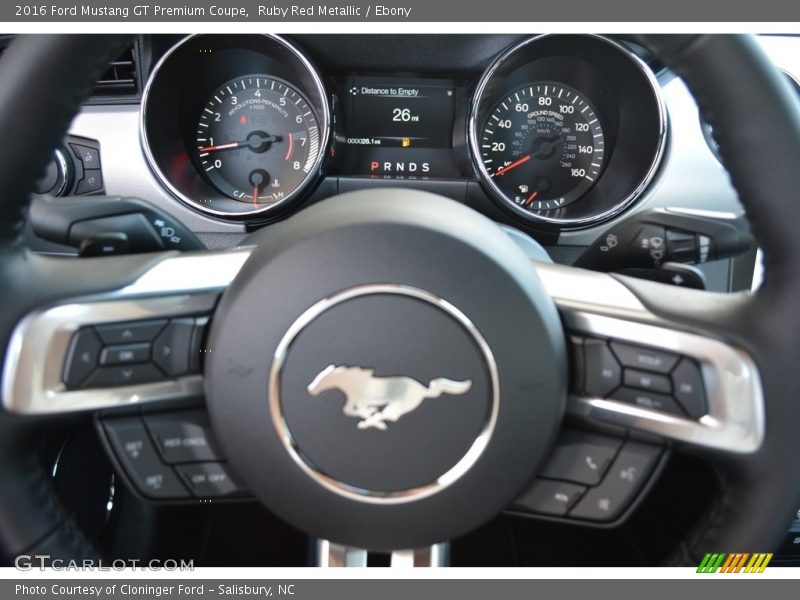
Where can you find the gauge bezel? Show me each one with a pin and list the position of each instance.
(319, 101)
(500, 69)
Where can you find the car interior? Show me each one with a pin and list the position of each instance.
(472, 300)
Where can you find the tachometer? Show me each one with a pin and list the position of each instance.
(543, 146)
(257, 139)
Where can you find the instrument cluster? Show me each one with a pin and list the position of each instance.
(557, 132)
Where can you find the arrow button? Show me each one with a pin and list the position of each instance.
(83, 356)
(173, 346)
(124, 375)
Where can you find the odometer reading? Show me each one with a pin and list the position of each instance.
(257, 139)
(542, 146)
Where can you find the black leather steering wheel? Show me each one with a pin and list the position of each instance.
(753, 444)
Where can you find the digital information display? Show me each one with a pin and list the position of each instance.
(399, 127)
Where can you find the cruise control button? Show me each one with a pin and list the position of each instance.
(602, 371)
(644, 358)
(83, 357)
(125, 354)
(124, 375)
(625, 478)
(689, 389)
(172, 347)
(127, 333)
(210, 480)
(548, 497)
(581, 458)
(183, 437)
(647, 381)
(649, 400)
(140, 461)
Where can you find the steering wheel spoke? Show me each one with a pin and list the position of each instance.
(139, 343)
(634, 369)
(329, 554)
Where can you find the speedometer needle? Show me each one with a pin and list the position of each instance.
(226, 146)
(513, 165)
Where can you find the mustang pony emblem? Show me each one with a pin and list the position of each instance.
(376, 400)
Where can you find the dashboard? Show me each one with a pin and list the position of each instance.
(558, 136)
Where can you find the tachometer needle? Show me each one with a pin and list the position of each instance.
(220, 147)
(250, 140)
(513, 165)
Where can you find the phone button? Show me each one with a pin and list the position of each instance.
(581, 458)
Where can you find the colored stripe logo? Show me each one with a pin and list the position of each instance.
(738, 562)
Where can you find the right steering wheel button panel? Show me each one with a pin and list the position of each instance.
(648, 378)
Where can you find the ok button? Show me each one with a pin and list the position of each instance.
(125, 354)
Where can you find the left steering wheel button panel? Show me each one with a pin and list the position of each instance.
(139, 459)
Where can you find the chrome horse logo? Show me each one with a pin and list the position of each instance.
(376, 400)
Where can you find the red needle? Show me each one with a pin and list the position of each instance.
(255, 194)
(530, 199)
(513, 165)
(252, 138)
(220, 147)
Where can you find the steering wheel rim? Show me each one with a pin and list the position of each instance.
(755, 487)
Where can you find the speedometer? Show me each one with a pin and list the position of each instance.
(257, 139)
(543, 146)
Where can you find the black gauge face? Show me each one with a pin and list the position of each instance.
(543, 146)
(258, 140)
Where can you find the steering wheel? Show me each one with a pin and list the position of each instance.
(387, 370)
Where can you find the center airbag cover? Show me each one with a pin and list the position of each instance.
(386, 371)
